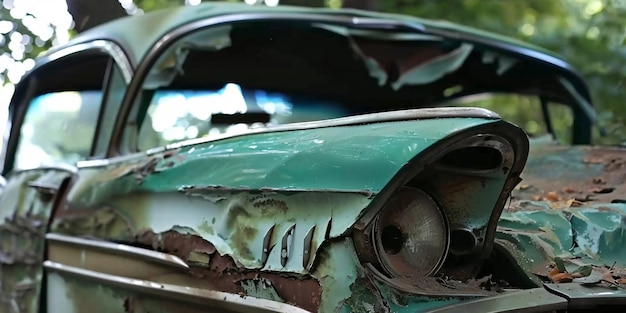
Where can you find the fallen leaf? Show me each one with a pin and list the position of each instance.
(552, 196)
(582, 271)
(603, 190)
(562, 278)
(559, 264)
(565, 204)
(599, 181)
(569, 190)
(593, 160)
(553, 272)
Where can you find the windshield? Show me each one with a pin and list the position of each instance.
(229, 78)
(175, 115)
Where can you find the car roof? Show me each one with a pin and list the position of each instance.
(137, 34)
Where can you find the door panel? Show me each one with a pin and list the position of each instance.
(25, 209)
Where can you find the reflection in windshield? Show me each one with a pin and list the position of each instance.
(180, 115)
(175, 115)
(58, 127)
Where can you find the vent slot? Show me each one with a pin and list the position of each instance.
(475, 158)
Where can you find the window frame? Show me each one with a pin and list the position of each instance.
(26, 91)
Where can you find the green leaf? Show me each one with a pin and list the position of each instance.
(584, 270)
(560, 265)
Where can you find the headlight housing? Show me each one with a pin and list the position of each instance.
(411, 235)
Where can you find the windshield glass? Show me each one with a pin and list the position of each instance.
(223, 78)
(175, 115)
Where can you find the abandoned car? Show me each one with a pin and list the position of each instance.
(234, 158)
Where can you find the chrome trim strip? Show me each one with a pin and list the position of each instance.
(382, 117)
(109, 161)
(57, 166)
(109, 47)
(530, 300)
(214, 299)
(115, 248)
(372, 118)
(588, 296)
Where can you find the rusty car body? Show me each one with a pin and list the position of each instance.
(236, 158)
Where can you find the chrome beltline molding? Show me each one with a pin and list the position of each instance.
(372, 118)
(391, 116)
(223, 300)
(120, 249)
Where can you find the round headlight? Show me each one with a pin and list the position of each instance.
(411, 235)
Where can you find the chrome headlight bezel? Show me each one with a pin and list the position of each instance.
(411, 235)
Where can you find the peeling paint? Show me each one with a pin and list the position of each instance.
(23, 220)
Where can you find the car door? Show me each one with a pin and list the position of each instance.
(56, 120)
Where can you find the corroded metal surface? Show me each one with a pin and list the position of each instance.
(568, 207)
(582, 174)
(283, 236)
(24, 215)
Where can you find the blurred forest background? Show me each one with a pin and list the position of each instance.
(590, 34)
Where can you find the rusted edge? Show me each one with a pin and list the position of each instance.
(192, 189)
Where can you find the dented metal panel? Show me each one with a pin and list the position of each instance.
(303, 191)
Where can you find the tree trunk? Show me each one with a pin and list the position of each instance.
(304, 3)
(371, 5)
(90, 13)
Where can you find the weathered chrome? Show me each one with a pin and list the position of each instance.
(213, 299)
(306, 254)
(46, 191)
(286, 245)
(106, 46)
(582, 296)
(402, 115)
(125, 250)
(267, 245)
(531, 300)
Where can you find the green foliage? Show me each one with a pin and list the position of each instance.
(17, 43)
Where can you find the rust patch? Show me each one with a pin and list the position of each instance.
(221, 273)
(98, 222)
(271, 206)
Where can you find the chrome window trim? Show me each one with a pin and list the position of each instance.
(106, 46)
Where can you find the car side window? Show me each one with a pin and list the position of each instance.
(58, 127)
(525, 111)
(55, 113)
